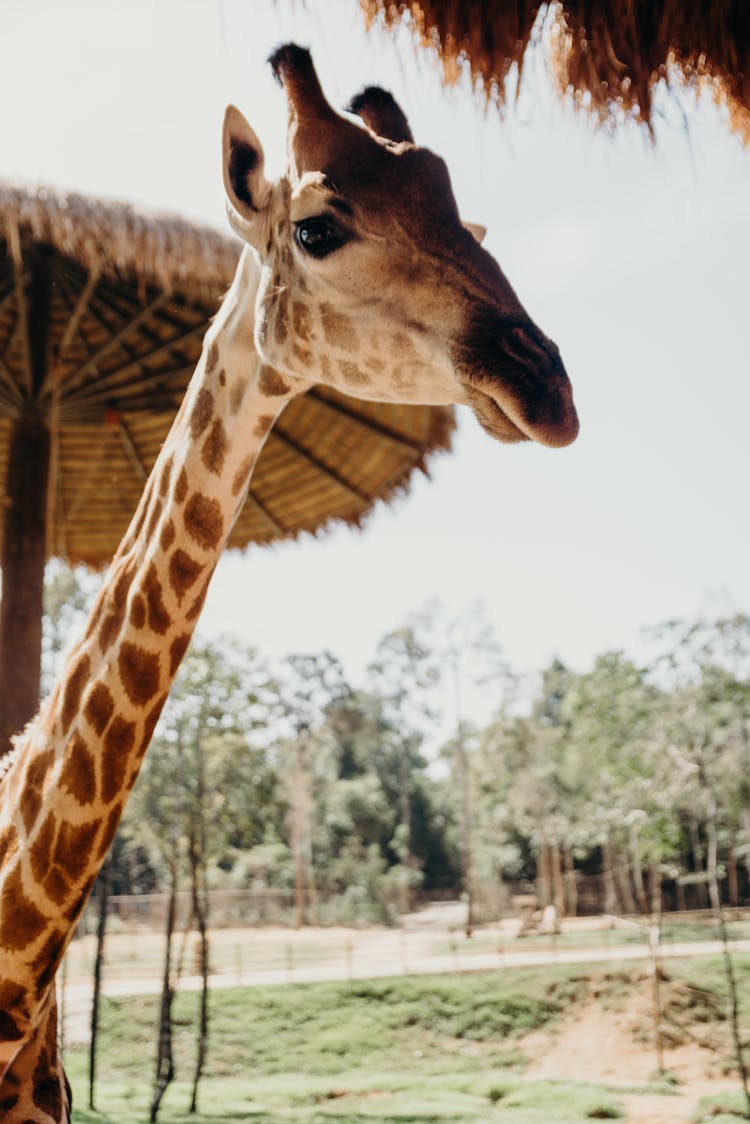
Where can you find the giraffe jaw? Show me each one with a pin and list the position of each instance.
(493, 418)
(507, 419)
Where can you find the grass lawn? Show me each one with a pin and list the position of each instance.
(394, 1051)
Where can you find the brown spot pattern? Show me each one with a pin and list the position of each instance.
(301, 320)
(184, 572)
(303, 354)
(74, 845)
(73, 911)
(134, 532)
(33, 786)
(215, 447)
(138, 611)
(164, 478)
(241, 476)
(40, 852)
(9, 1032)
(159, 619)
(149, 725)
(118, 744)
(122, 585)
(50, 956)
(202, 413)
(20, 920)
(237, 394)
(203, 520)
(139, 672)
(167, 535)
(195, 609)
(154, 518)
(74, 688)
(213, 357)
(181, 486)
(177, 650)
(280, 327)
(50, 714)
(338, 329)
(110, 827)
(79, 770)
(263, 424)
(99, 706)
(271, 383)
(46, 1090)
(108, 631)
(56, 886)
(222, 377)
(8, 843)
(352, 374)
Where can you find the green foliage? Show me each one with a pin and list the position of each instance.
(293, 772)
(405, 1049)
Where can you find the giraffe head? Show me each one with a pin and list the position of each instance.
(370, 281)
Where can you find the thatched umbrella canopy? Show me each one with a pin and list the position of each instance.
(102, 315)
(607, 56)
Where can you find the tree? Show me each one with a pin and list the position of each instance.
(201, 753)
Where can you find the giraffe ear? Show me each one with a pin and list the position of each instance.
(477, 230)
(246, 186)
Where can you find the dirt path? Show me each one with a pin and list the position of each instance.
(614, 1048)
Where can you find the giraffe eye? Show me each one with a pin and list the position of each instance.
(319, 236)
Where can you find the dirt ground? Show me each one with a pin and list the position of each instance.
(615, 1047)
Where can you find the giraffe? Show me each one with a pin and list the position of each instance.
(357, 273)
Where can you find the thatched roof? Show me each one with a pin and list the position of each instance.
(103, 309)
(607, 56)
(150, 247)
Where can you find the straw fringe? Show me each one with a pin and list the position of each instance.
(606, 55)
(147, 247)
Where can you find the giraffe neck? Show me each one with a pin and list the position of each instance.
(75, 764)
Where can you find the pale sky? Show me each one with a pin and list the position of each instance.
(634, 259)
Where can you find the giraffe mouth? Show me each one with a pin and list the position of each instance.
(493, 418)
(515, 382)
(510, 420)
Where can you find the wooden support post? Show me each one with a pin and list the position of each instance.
(23, 558)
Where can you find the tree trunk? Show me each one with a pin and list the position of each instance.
(611, 899)
(23, 558)
(165, 1070)
(101, 928)
(622, 875)
(571, 885)
(680, 892)
(543, 880)
(637, 872)
(654, 889)
(558, 895)
(305, 895)
(733, 889)
(405, 801)
(695, 845)
(746, 833)
(467, 857)
(200, 912)
(732, 1003)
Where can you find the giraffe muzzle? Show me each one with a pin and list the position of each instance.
(516, 382)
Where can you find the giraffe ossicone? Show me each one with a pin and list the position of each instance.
(358, 273)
